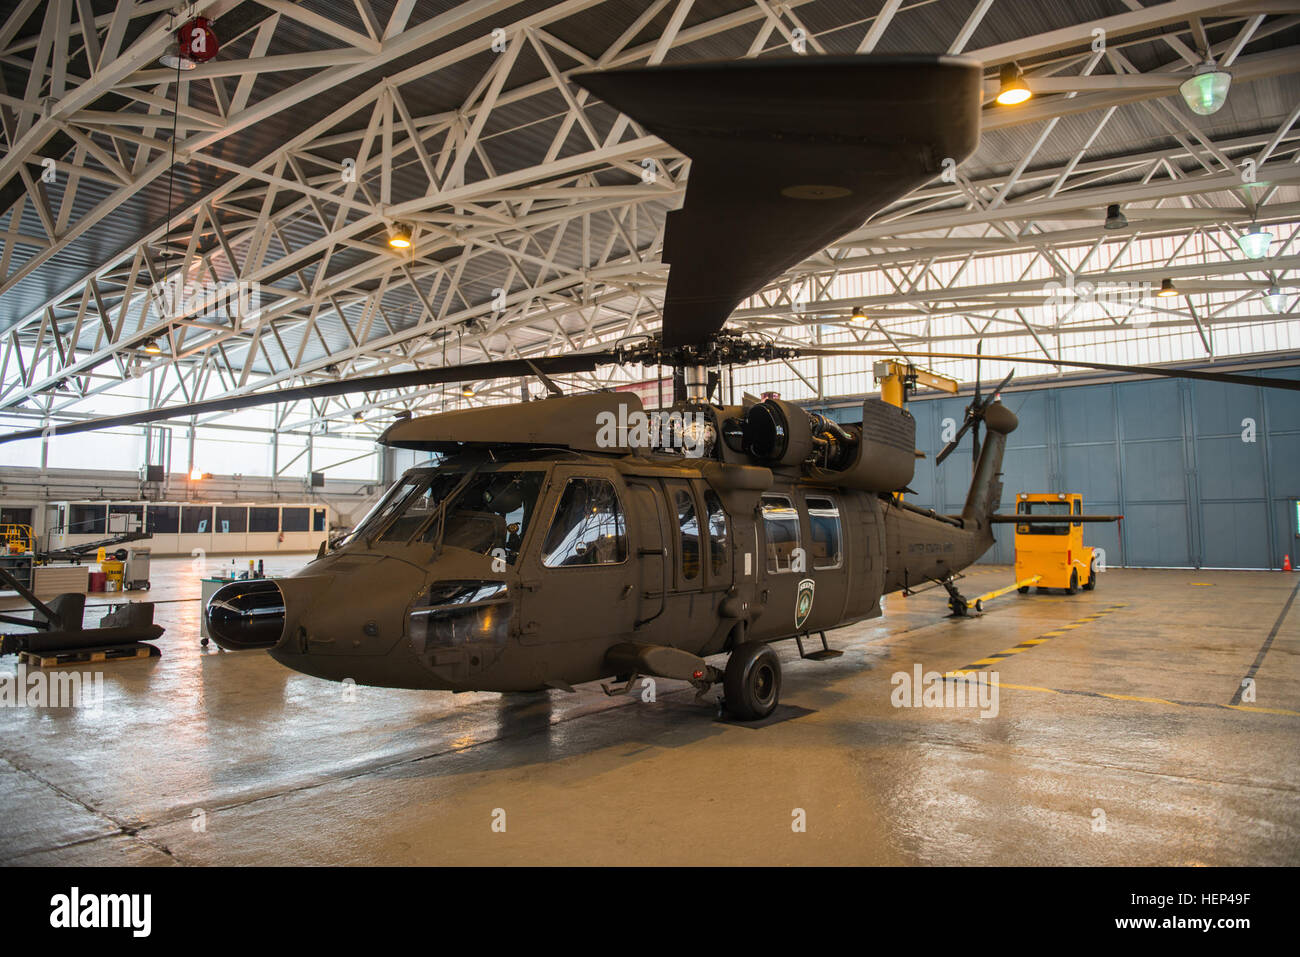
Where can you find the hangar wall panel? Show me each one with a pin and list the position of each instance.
(1206, 474)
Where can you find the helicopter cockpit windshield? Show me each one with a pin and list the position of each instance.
(481, 511)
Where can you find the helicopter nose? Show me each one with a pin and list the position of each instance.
(246, 614)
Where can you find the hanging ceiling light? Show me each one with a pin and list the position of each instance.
(1274, 300)
(1114, 218)
(1255, 243)
(358, 418)
(150, 347)
(1206, 90)
(1012, 87)
(400, 237)
(467, 392)
(1167, 289)
(859, 314)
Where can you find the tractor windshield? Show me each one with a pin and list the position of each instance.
(1043, 508)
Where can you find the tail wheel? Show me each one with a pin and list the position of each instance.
(752, 681)
(1074, 582)
(1092, 576)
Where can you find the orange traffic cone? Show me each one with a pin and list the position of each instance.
(1286, 563)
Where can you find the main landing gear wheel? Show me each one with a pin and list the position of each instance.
(1092, 576)
(1074, 583)
(752, 682)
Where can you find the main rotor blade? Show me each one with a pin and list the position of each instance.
(787, 155)
(504, 368)
(1266, 382)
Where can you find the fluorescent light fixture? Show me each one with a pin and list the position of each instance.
(1274, 300)
(1206, 90)
(1255, 243)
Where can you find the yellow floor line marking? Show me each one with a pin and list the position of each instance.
(1135, 697)
(1030, 643)
(1242, 707)
(1147, 700)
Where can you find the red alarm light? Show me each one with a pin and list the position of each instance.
(196, 42)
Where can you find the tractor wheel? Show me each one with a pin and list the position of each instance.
(1074, 583)
(1092, 576)
(752, 682)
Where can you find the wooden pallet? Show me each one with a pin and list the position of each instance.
(82, 656)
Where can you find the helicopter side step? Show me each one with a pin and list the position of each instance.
(825, 654)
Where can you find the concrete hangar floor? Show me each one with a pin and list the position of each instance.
(1118, 739)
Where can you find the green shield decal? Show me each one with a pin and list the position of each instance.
(803, 602)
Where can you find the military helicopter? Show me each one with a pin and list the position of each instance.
(575, 538)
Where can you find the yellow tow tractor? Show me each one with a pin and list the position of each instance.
(1049, 548)
(1050, 552)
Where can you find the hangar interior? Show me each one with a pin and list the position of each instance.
(327, 190)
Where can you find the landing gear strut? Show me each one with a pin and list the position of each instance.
(957, 602)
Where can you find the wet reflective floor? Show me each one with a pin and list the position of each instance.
(1121, 735)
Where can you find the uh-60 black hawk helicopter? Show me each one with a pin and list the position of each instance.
(562, 541)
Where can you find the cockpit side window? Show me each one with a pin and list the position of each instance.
(588, 528)
(416, 508)
(391, 502)
(717, 532)
(689, 527)
(491, 514)
(781, 529)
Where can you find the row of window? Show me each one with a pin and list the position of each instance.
(589, 529)
(782, 535)
(197, 519)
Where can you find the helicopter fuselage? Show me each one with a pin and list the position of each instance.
(548, 560)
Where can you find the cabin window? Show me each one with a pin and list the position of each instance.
(264, 519)
(231, 518)
(164, 519)
(717, 532)
(689, 527)
(588, 528)
(125, 518)
(295, 519)
(781, 528)
(196, 519)
(824, 526)
(87, 520)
